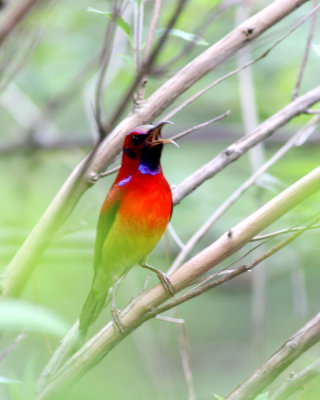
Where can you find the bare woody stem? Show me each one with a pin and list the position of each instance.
(13, 15)
(142, 308)
(301, 341)
(22, 265)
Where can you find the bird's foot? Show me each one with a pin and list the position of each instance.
(117, 320)
(164, 279)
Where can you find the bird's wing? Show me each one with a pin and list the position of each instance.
(106, 219)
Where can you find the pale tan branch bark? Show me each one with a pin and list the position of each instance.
(141, 309)
(282, 232)
(12, 15)
(303, 65)
(301, 341)
(227, 274)
(184, 351)
(106, 56)
(149, 42)
(199, 126)
(13, 345)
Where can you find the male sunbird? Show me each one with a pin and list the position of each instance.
(133, 218)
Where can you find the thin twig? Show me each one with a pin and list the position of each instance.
(250, 121)
(23, 59)
(186, 358)
(13, 345)
(12, 15)
(109, 40)
(217, 10)
(235, 71)
(295, 92)
(237, 193)
(138, 27)
(207, 283)
(152, 29)
(175, 237)
(184, 350)
(59, 356)
(301, 341)
(146, 55)
(109, 172)
(237, 149)
(145, 67)
(282, 232)
(202, 125)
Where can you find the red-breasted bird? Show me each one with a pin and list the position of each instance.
(133, 218)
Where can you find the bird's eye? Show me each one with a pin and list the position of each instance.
(137, 139)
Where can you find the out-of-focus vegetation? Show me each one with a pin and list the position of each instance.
(147, 365)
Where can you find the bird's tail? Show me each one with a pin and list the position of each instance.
(92, 307)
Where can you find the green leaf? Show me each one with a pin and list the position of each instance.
(7, 381)
(189, 37)
(218, 397)
(263, 396)
(120, 22)
(316, 48)
(19, 315)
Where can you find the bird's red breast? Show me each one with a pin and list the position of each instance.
(140, 201)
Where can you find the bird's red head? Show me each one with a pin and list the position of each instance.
(143, 146)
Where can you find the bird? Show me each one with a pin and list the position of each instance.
(133, 217)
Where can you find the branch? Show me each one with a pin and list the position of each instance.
(306, 52)
(20, 268)
(297, 381)
(281, 232)
(237, 149)
(109, 41)
(12, 15)
(13, 345)
(242, 67)
(216, 11)
(146, 66)
(141, 309)
(199, 126)
(198, 235)
(301, 341)
(228, 274)
(146, 55)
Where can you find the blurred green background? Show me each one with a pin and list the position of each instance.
(57, 43)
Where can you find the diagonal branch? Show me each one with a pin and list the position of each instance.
(141, 309)
(301, 341)
(12, 15)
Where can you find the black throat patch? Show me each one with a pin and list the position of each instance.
(150, 159)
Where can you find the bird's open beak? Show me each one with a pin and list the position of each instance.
(155, 135)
